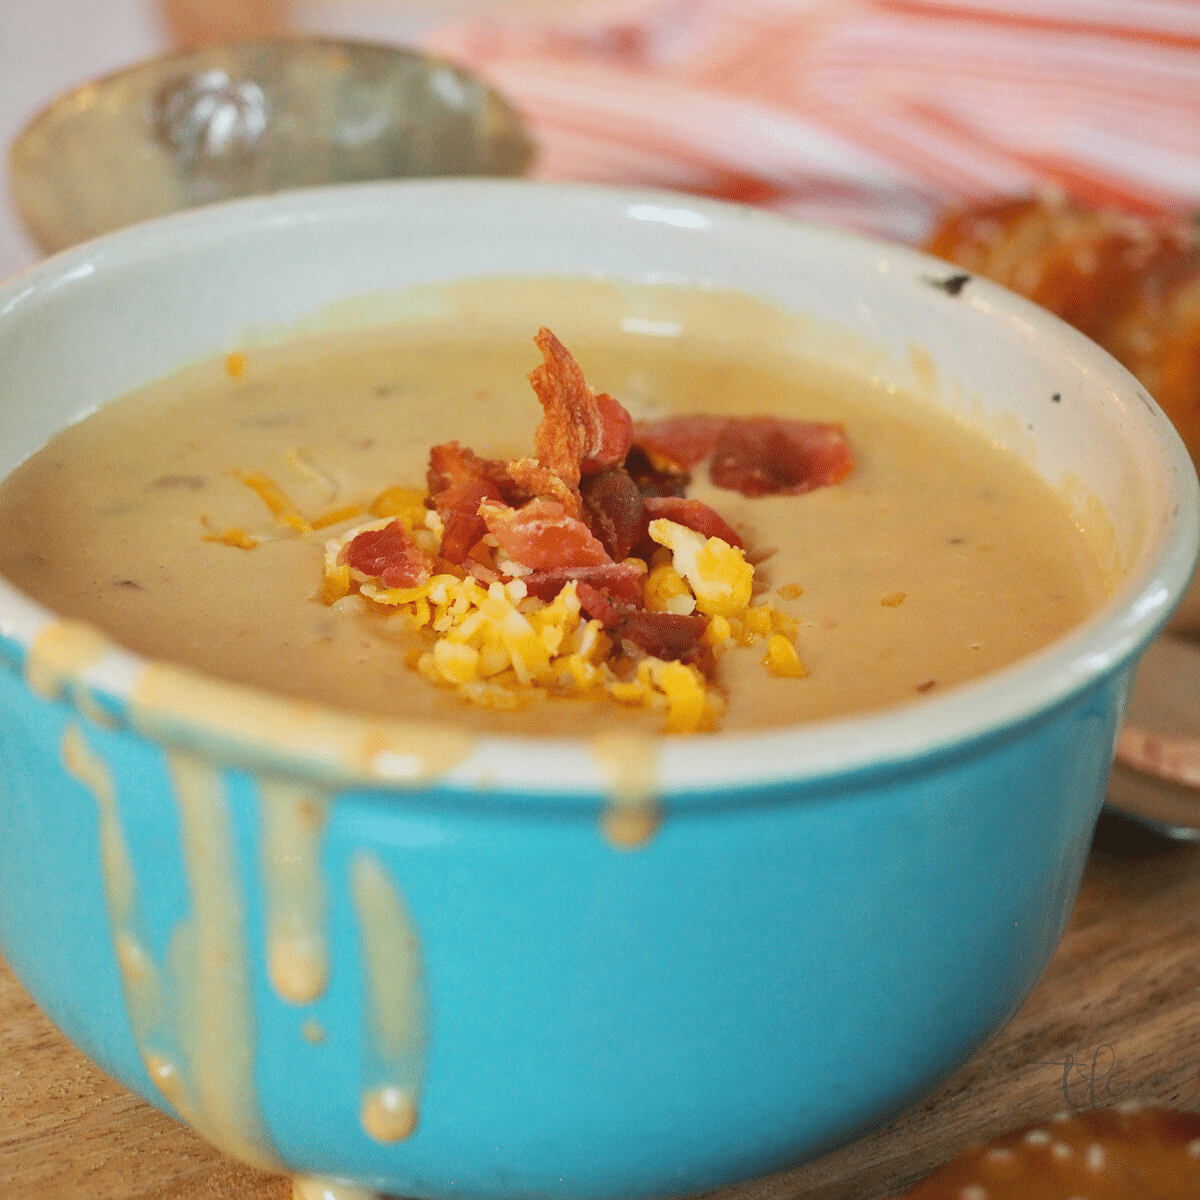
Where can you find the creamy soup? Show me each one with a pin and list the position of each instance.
(939, 558)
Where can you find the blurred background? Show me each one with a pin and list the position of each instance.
(52, 45)
(871, 114)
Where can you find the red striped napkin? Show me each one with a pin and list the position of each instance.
(874, 116)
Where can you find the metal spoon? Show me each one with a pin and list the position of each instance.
(251, 117)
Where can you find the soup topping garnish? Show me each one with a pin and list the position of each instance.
(583, 570)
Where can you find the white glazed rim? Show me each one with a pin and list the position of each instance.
(717, 763)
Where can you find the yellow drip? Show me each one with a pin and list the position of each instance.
(293, 821)
(395, 1001)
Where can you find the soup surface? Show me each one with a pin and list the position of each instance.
(939, 558)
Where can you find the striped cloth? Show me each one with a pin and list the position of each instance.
(871, 115)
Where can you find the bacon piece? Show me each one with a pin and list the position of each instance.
(616, 436)
(388, 554)
(580, 432)
(541, 534)
(451, 464)
(664, 635)
(679, 442)
(459, 481)
(777, 456)
(652, 480)
(757, 456)
(695, 514)
(614, 511)
(462, 526)
(621, 580)
(537, 480)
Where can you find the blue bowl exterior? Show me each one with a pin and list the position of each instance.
(778, 970)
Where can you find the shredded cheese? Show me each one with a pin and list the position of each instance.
(233, 537)
(717, 573)
(500, 647)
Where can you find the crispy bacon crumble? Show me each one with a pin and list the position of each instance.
(583, 570)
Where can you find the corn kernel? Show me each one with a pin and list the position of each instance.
(782, 623)
(530, 657)
(336, 583)
(455, 662)
(552, 638)
(717, 573)
(633, 692)
(469, 631)
(684, 688)
(781, 659)
(492, 660)
(718, 631)
(474, 591)
(663, 585)
(583, 672)
(725, 579)
(758, 620)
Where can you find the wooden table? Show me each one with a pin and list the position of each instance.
(1119, 1005)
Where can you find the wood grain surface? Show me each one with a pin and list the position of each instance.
(1117, 1014)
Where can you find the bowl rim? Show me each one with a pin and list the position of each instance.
(697, 768)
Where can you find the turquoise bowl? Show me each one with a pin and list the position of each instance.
(387, 958)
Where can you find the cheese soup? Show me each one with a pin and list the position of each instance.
(163, 518)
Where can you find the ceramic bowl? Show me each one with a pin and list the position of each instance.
(827, 920)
